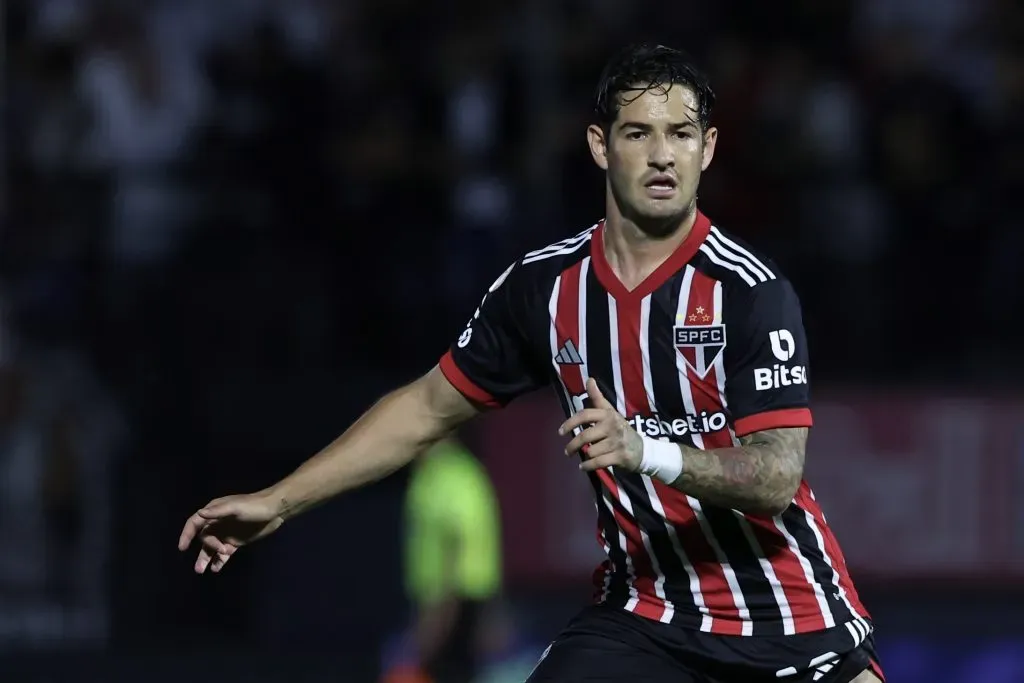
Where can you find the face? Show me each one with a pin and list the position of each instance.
(653, 156)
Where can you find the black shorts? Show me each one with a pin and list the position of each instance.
(607, 644)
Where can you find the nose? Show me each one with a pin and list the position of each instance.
(660, 154)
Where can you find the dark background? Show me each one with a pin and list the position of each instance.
(229, 226)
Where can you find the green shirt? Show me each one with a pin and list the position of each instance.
(453, 528)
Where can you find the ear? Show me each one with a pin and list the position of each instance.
(710, 138)
(598, 146)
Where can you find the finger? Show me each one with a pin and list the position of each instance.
(203, 560)
(214, 545)
(217, 508)
(600, 463)
(585, 417)
(596, 396)
(193, 526)
(602, 447)
(220, 560)
(590, 435)
(218, 563)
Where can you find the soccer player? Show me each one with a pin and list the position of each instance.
(679, 356)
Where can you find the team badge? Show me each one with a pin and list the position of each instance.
(700, 345)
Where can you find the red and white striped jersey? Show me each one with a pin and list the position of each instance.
(709, 348)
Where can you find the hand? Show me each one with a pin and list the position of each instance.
(226, 524)
(607, 440)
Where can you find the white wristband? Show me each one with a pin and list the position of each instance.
(662, 460)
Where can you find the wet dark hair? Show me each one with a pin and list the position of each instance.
(646, 66)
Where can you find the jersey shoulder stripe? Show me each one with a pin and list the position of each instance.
(736, 260)
(566, 246)
(741, 253)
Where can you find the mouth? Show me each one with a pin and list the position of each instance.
(661, 186)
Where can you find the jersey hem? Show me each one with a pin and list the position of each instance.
(464, 384)
(773, 419)
(690, 621)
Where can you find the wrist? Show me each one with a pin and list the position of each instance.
(662, 460)
(280, 500)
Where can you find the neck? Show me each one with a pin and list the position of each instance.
(634, 253)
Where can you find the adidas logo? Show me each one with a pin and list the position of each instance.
(820, 665)
(568, 355)
(821, 671)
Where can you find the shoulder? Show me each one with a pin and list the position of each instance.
(737, 264)
(754, 285)
(538, 269)
(557, 256)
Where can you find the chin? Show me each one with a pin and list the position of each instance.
(661, 221)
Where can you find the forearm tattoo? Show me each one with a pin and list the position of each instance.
(761, 476)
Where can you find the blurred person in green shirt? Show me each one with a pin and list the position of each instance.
(452, 561)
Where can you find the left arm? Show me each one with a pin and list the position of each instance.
(766, 362)
(760, 476)
(766, 382)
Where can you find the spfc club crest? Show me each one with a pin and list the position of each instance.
(700, 345)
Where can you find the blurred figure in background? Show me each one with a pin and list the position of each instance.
(58, 434)
(453, 565)
(22, 515)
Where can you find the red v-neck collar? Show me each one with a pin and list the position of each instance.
(679, 258)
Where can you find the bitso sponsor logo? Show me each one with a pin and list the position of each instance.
(778, 376)
(783, 344)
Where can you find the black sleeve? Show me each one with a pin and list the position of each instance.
(490, 362)
(766, 358)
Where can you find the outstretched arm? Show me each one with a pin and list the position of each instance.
(760, 476)
(488, 366)
(387, 437)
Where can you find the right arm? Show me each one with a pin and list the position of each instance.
(488, 366)
(387, 437)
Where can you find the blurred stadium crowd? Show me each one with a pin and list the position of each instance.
(213, 208)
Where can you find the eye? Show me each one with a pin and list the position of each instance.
(636, 135)
(684, 134)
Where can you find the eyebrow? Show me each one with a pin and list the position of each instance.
(648, 127)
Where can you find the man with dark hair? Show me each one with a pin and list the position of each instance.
(679, 356)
